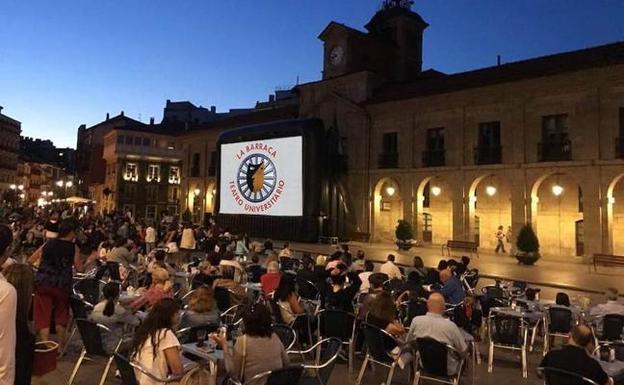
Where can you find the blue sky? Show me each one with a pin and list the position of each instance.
(64, 63)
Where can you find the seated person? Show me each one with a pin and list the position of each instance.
(382, 313)
(611, 306)
(270, 281)
(160, 288)
(576, 357)
(390, 269)
(306, 272)
(335, 295)
(288, 300)
(285, 252)
(205, 276)
(257, 351)
(254, 269)
(452, 289)
(419, 267)
(159, 262)
(433, 275)
(237, 292)
(320, 274)
(434, 325)
(111, 314)
(359, 262)
(201, 310)
(155, 345)
(368, 271)
(413, 286)
(375, 282)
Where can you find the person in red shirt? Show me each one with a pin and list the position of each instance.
(270, 281)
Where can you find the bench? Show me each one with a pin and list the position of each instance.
(328, 240)
(608, 260)
(471, 247)
(359, 236)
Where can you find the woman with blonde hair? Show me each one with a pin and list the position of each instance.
(22, 278)
(202, 309)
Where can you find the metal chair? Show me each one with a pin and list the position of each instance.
(470, 280)
(557, 323)
(89, 289)
(606, 351)
(510, 333)
(286, 334)
(612, 327)
(222, 298)
(408, 310)
(93, 346)
(79, 309)
(379, 344)
(190, 334)
(432, 361)
(555, 376)
(528, 307)
(307, 289)
(323, 367)
(341, 325)
(284, 376)
(127, 371)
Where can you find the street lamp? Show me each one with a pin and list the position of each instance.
(490, 190)
(69, 184)
(390, 190)
(20, 187)
(50, 193)
(59, 183)
(13, 187)
(435, 190)
(197, 191)
(557, 190)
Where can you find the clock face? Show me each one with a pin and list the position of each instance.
(336, 56)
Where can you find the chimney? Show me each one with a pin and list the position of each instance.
(1, 109)
(168, 102)
(271, 98)
(152, 121)
(107, 116)
(213, 109)
(122, 113)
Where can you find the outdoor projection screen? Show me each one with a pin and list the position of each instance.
(262, 177)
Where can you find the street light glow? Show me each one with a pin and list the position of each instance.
(59, 183)
(490, 190)
(390, 190)
(557, 190)
(435, 190)
(69, 184)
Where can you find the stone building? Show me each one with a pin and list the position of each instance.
(535, 141)
(142, 171)
(10, 130)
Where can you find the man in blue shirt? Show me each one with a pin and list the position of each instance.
(452, 289)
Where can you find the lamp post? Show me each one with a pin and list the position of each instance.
(64, 185)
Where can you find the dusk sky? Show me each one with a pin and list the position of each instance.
(65, 63)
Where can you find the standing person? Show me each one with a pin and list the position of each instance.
(53, 281)
(500, 236)
(241, 246)
(150, 238)
(22, 278)
(188, 238)
(8, 310)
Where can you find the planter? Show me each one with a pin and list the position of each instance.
(527, 258)
(402, 245)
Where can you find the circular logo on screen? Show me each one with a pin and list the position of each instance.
(256, 177)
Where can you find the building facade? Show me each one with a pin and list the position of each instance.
(457, 155)
(10, 130)
(142, 172)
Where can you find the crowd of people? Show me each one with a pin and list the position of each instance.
(155, 278)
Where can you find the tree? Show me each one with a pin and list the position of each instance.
(527, 240)
(403, 231)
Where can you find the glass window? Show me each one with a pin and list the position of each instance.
(146, 141)
(131, 172)
(390, 143)
(153, 173)
(152, 192)
(128, 140)
(120, 139)
(174, 175)
(555, 128)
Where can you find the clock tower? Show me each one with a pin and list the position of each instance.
(391, 47)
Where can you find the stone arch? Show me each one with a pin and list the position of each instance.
(615, 215)
(557, 214)
(211, 193)
(387, 208)
(489, 206)
(434, 210)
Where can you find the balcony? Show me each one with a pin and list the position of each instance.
(388, 160)
(554, 151)
(433, 158)
(116, 150)
(619, 148)
(488, 155)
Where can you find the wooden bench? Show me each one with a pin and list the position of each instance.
(359, 236)
(608, 260)
(471, 247)
(328, 240)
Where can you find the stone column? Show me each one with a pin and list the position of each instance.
(592, 214)
(520, 206)
(459, 218)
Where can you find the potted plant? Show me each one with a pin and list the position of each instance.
(404, 235)
(527, 245)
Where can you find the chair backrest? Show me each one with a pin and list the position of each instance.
(378, 342)
(330, 348)
(91, 337)
(415, 308)
(286, 334)
(506, 330)
(287, 263)
(89, 288)
(222, 298)
(189, 335)
(306, 289)
(276, 312)
(612, 327)
(125, 370)
(336, 323)
(493, 292)
(78, 307)
(472, 278)
(559, 320)
(284, 376)
(433, 356)
(555, 376)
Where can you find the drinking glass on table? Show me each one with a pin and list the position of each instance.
(201, 337)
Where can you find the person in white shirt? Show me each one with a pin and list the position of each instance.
(612, 306)
(150, 238)
(155, 345)
(368, 270)
(285, 252)
(434, 325)
(8, 310)
(390, 269)
(188, 238)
